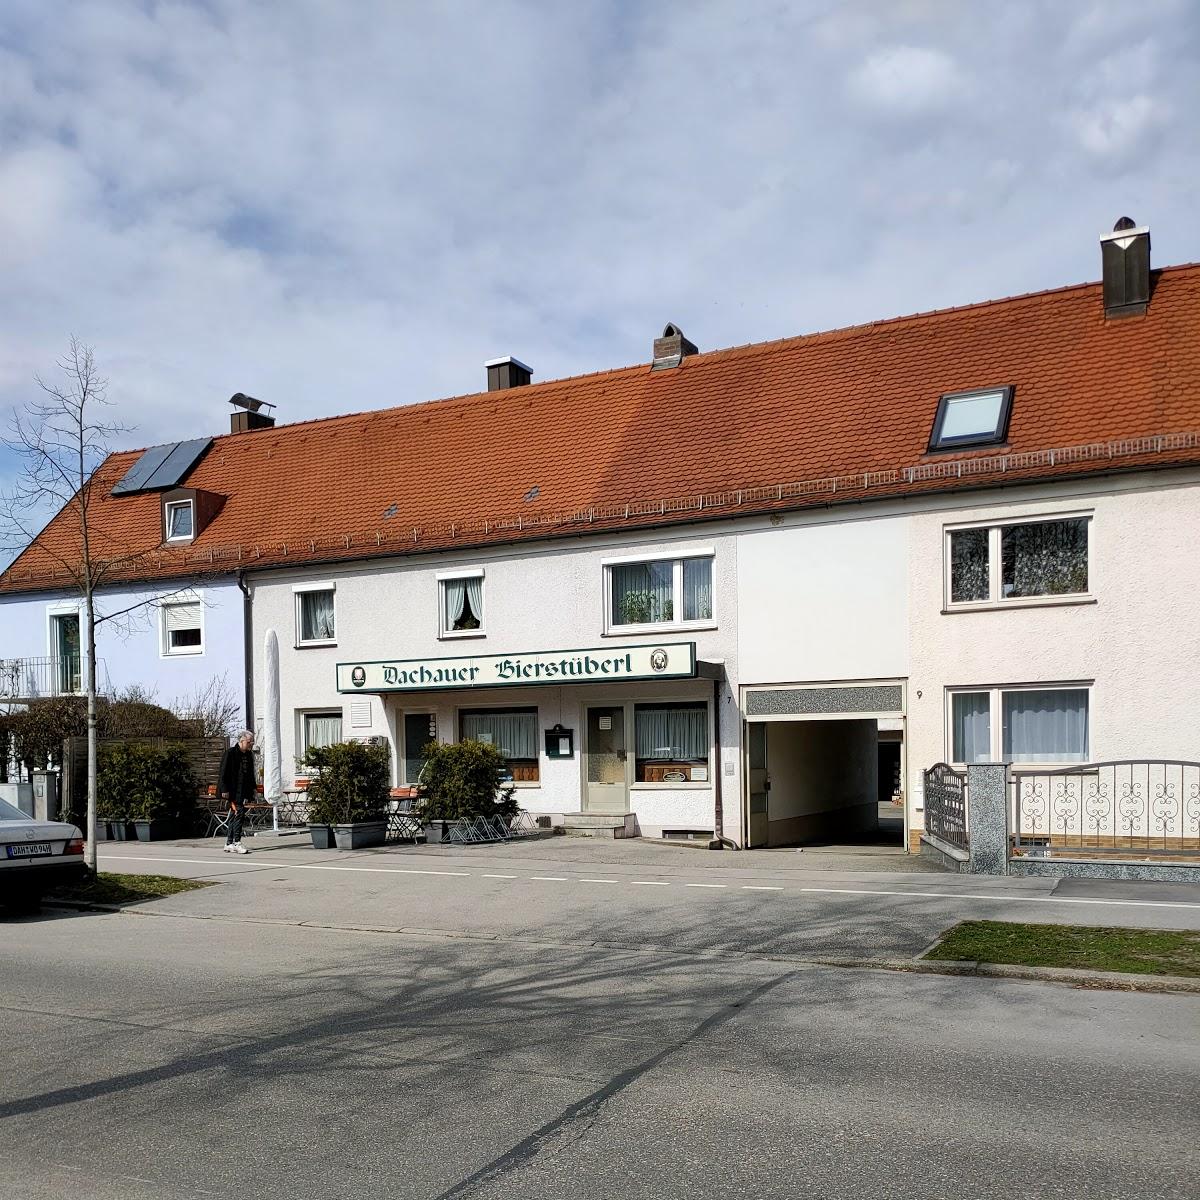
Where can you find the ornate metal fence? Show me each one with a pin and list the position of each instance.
(946, 805)
(1131, 808)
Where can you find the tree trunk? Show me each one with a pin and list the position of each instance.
(90, 832)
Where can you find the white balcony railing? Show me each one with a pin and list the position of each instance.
(33, 678)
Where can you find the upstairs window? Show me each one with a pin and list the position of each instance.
(316, 616)
(1030, 560)
(966, 419)
(181, 522)
(461, 604)
(183, 628)
(671, 591)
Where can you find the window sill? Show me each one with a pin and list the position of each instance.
(1023, 602)
(314, 645)
(183, 653)
(690, 785)
(523, 785)
(643, 630)
(454, 635)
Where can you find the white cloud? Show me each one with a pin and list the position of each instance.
(905, 80)
(355, 205)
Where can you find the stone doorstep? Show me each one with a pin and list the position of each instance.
(600, 825)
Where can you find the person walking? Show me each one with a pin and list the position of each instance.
(237, 787)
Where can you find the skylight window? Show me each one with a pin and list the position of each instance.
(971, 418)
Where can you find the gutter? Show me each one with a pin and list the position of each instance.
(247, 647)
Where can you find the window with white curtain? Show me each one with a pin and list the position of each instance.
(1026, 560)
(669, 591)
(1032, 724)
(316, 618)
(462, 605)
(182, 627)
(320, 729)
(513, 731)
(670, 742)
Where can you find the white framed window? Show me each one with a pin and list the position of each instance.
(182, 626)
(650, 593)
(316, 614)
(460, 603)
(319, 729)
(1026, 723)
(1036, 560)
(513, 731)
(180, 520)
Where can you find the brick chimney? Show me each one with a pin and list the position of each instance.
(671, 349)
(1125, 254)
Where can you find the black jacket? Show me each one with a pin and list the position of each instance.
(237, 775)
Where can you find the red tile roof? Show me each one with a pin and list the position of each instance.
(803, 421)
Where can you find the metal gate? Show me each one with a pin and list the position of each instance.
(946, 805)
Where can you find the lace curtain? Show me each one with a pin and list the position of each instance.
(464, 603)
(970, 716)
(642, 593)
(1046, 726)
(514, 734)
(316, 616)
(697, 589)
(677, 734)
(322, 729)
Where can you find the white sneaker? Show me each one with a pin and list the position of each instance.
(228, 847)
(238, 848)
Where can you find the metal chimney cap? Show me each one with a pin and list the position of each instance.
(508, 360)
(249, 403)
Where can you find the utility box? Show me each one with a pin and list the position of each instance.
(19, 795)
(46, 795)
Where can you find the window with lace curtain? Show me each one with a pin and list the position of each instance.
(1030, 724)
(1022, 561)
(320, 729)
(513, 731)
(461, 603)
(316, 622)
(665, 591)
(671, 742)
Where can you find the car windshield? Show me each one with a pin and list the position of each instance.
(8, 813)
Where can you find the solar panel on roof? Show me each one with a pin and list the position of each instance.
(183, 457)
(162, 467)
(134, 480)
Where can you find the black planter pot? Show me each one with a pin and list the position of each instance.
(156, 830)
(322, 837)
(358, 835)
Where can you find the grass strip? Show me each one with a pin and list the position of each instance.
(1084, 947)
(111, 888)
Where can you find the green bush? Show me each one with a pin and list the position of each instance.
(348, 782)
(463, 781)
(144, 782)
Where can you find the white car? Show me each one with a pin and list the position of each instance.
(36, 855)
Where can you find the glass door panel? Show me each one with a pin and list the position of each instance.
(67, 675)
(607, 762)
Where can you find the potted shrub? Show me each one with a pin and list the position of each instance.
(144, 790)
(460, 782)
(348, 793)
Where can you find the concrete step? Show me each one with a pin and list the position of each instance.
(600, 825)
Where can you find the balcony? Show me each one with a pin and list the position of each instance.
(37, 678)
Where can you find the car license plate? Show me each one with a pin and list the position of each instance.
(30, 850)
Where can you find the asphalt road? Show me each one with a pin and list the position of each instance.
(224, 1051)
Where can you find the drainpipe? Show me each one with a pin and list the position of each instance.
(247, 648)
(720, 841)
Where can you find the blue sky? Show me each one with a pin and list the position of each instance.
(345, 206)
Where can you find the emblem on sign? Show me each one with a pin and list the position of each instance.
(659, 660)
(358, 676)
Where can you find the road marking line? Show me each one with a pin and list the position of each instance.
(550, 878)
(1001, 897)
(486, 876)
(756, 887)
(600, 881)
(712, 885)
(1012, 896)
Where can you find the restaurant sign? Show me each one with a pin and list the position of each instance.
(658, 660)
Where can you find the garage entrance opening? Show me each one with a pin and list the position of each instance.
(825, 783)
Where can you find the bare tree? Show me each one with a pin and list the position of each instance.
(62, 439)
(212, 707)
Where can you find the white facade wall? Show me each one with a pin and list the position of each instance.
(1136, 642)
(130, 647)
(535, 598)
